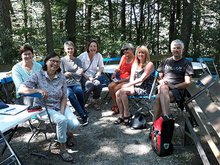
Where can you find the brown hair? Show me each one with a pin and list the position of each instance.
(25, 48)
(49, 56)
(93, 40)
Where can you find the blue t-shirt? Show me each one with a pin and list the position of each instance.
(20, 75)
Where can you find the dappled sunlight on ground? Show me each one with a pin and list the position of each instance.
(129, 131)
(101, 142)
(110, 150)
(137, 149)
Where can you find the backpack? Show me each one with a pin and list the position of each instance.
(138, 121)
(161, 136)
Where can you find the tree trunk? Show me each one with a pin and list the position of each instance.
(88, 20)
(172, 33)
(123, 20)
(25, 19)
(71, 20)
(158, 29)
(139, 25)
(186, 27)
(111, 17)
(196, 33)
(5, 27)
(48, 24)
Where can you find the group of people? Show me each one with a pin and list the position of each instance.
(136, 78)
(57, 80)
(76, 78)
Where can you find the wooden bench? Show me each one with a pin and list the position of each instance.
(202, 108)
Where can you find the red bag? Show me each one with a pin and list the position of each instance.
(34, 108)
(161, 136)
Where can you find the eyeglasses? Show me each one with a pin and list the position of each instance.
(55, 61)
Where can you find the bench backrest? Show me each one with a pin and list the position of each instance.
(206, 111)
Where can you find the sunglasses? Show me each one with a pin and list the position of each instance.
(125, 49)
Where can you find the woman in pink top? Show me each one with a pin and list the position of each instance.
(124, 71)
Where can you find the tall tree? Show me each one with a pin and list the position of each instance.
(88, 19)
(158, 28)
(24, 7)
(111, 17)
(172, 32)
(186, 26)
(123, 20)
(139, 24)
(6, 31)
(48, 25)
(196, 32)
(71, 20)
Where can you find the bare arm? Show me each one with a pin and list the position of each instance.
(118, 69)
(182, 85)
(147, 72)
(25, 90)
(99, 72)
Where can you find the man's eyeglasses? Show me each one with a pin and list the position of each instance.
(55, 61)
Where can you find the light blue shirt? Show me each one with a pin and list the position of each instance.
(20, 75)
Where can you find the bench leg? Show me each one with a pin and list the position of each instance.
(197, 143)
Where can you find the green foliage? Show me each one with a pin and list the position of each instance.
(154, 34)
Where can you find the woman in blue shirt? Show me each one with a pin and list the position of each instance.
(23, 70)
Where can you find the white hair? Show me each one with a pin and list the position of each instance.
(178, 42)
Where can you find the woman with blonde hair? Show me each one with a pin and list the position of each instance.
(140, 83)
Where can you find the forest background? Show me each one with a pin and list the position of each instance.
(47, 24)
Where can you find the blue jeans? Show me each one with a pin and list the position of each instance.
(75, 94)
(91, 86)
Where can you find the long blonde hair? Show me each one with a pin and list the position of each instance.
(146, 52)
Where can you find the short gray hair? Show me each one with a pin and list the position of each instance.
(177, 41)
(69, 43)
(127, 46)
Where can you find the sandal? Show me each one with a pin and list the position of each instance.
(127, 120)
(119, 121)
(70, 142)
(66, 156)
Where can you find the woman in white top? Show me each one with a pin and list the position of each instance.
(93, 66)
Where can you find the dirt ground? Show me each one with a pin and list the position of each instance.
(103, 143)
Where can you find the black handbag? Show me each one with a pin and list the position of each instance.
(138, 121)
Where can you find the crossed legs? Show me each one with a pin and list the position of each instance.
(92, 86)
